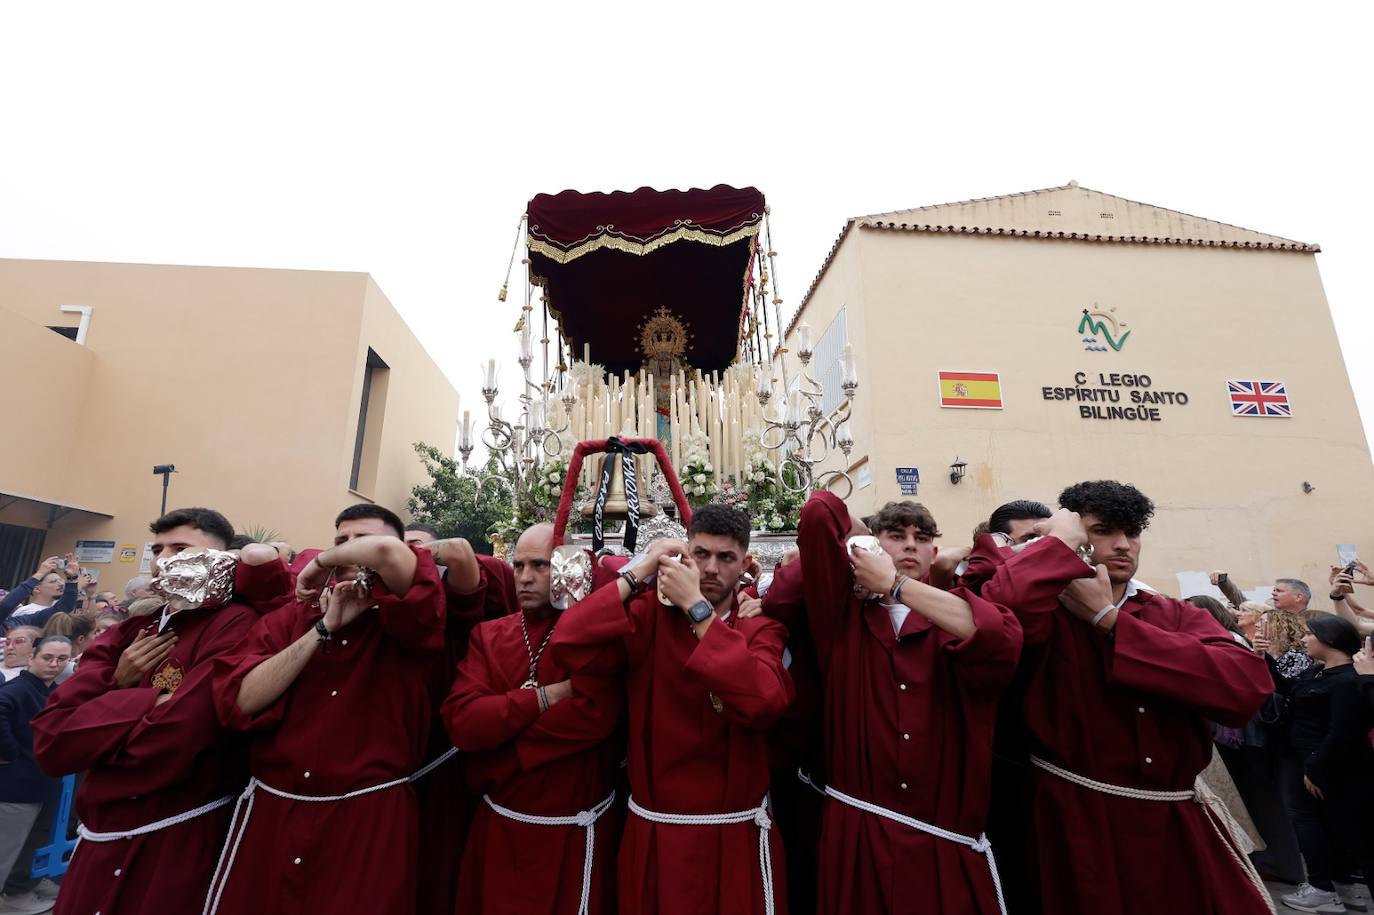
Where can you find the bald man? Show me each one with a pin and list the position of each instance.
(538, 748)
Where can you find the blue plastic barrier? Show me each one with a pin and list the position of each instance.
(51, 860)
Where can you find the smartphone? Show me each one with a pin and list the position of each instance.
(661, 599)
(1346, 556)
(1369, 646)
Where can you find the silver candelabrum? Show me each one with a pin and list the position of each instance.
(515, 449)
(800, 434)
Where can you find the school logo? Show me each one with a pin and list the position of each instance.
(1101, 330)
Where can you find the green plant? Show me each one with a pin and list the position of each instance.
(259, 533)
(451, 504)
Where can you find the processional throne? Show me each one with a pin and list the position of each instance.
(648, 314)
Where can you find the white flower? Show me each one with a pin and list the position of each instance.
(699, 478)
(708, 468)
(553, 478)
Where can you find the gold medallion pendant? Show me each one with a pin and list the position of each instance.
(529, 684)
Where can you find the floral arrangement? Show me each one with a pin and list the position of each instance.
(773, 506)
(697, 475)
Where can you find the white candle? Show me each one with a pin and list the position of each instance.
(849, 372)
(804, 338)
(489, 377)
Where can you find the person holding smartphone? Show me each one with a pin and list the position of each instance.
(51, 589)
(1343, 580)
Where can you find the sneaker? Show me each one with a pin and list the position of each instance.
(24, 904)
(46, 889)
(1310, 899)
(1354, 896)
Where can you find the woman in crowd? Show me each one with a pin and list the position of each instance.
(1250, 754)
(77, 630)
(1282, 635)
(1325, 763)
(1248, 616)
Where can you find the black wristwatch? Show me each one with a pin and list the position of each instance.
(700, 612)
(322, 630)
(1338, 595)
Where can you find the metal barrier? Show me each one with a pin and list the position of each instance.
(51, 860)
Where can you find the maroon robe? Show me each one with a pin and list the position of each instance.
(443, 798)
(145, 762)
(683, 756)
(555, 764)
(796, 744)
(1130, 711)
(358, 715)
(909, 720)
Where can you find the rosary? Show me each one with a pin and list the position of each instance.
(533, 682)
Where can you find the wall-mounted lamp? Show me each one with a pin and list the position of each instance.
(1307, 487)
(956, 470)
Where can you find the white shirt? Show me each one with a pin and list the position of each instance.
(12, 672)
(26, 610)
(897, 613)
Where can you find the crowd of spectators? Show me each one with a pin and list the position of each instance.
(46, 622)
(1298, 774)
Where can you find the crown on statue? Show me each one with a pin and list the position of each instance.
(663, 334)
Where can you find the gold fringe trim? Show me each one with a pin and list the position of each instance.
(617, 243)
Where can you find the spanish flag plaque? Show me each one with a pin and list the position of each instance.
(971, 390)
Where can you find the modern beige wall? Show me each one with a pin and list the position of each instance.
(247, 380)
(43, 404)
(420, 405)
(1228, 489)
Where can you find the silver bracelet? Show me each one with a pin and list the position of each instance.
(1097, 618)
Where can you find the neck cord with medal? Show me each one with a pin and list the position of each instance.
(533, 681)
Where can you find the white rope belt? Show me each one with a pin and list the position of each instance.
(1222, 822)
(586, 819)
(238, 827)
(980, 844)
(757, 815)
(92, 836)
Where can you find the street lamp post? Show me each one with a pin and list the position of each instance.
(166, 470)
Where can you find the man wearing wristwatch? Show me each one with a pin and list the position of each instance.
(334, 691)
(1117, 705)
(704, 687)
(910, 676)
(537, 749)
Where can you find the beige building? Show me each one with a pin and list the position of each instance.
(1115, 330)
(280, 396)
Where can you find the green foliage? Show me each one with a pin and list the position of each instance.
(259, 533)
(450, 504)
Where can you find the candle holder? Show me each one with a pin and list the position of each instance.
(802, 443)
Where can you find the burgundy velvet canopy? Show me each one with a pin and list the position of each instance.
(608, 261)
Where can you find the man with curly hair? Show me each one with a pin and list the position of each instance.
(1122, 689)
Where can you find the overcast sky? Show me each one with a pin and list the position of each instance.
(403, 140)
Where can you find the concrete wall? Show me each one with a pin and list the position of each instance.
(247, 380)
(1228, 489)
